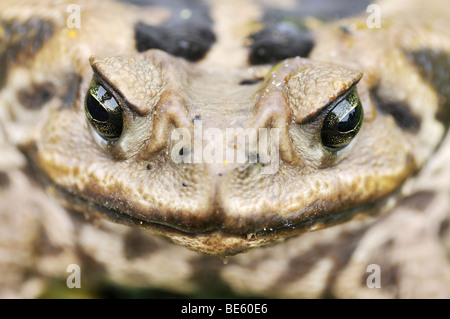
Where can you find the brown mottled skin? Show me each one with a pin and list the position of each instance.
(309, 229)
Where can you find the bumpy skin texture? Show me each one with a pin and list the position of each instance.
(385, 194)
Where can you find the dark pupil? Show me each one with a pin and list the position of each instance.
(349, 121)
(343, 122)
(104, 112)
(96, 110)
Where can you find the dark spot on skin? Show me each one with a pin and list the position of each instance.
(149, 167)
(31, 170)
(285, 33)
(434, 67)
(207, 271)
(196, 118)
(301, 265)
(136, 244)
(346, 29)
(280, 41)
(187, 41)
(190, 37)
(21, 40)
(36, 96)
(4, 180)
(444, 227)
(389, 277)
(250, 81)
(340, 250)
(418, 201)
(399, 110)
(389, 244)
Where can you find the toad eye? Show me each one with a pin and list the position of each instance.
(103, 112)
(343, 122)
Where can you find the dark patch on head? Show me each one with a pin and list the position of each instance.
(346, 29)
(418, 201)
(21, 40)
(281, 39)
(434, 67)
(400, 111)
(187, 41)
(36, 96)
(4, 180)
(136, 244)
(189, 36)
(285, 34)
(389, 277)
(271, 47)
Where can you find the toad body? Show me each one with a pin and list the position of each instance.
(174, 120)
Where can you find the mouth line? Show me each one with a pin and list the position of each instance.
(215, 240)
(282, 229)
(96, 209)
